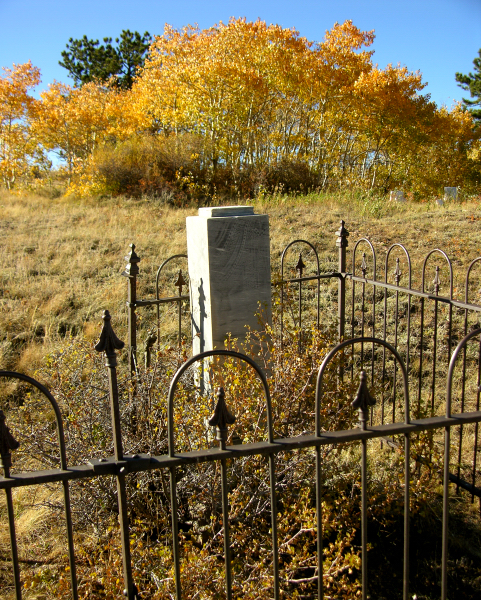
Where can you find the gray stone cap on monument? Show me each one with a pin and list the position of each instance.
(226, 211)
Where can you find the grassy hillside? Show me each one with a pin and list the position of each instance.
(61, 261)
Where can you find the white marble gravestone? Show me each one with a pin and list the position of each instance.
(450, 193)
(397, 196)
(229, 270)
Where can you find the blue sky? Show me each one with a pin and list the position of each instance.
(438, 37)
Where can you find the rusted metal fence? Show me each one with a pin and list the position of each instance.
(419, 321)
(384, 347)
(121, 465)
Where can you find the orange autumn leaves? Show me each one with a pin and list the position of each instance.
(257, 96)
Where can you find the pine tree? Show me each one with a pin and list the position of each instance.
(472, 84)
(88, 60)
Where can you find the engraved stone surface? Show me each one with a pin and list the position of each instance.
(229, 270)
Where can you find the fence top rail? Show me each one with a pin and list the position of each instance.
(415, 292)
(164, 300)
(328, 275)
(146, 462)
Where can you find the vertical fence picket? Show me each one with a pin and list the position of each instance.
(8, 443)
(472, 264)
(363, 401)
(131, 271)
(447, 450)
(109, 343)
(342, 243)
(221, 418)
(364, 282)
(300, 266)
(320, 562)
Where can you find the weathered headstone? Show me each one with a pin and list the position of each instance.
(450, 193)
(229, 270)
(397, 196)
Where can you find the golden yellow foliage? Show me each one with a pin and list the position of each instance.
(16, 108)
(267, 106)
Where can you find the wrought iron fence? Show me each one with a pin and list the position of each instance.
(382, 329)
(121, 465)
(415, 318)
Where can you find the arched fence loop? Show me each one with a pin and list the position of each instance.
(6, 462)
(300, 266)
(220, 419)
(363, 402)
(180, 282)
(364, 269)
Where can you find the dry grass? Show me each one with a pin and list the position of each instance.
(60, 266)
(61, 261)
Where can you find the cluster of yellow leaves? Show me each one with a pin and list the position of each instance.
(17, 107)
(257, 96)
(74, 121)
(256, 93)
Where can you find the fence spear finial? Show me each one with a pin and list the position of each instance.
(364, 265)
(397, 272)
(221, 417)
(133, 259)
(300, 265)
(108, 341)
(180, 282)
(342, 234)
(363, 400)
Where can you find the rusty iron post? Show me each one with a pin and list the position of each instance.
(342, 244)
(363, 402)
(180, 283)
(300, 269)
(8, 443)
(220, 419)
(109, 343)
(131, 271)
